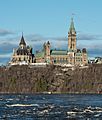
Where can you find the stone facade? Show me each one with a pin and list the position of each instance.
(23, 54)
(72, 56)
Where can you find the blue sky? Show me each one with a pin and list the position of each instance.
(42, 20)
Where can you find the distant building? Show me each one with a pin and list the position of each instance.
(72, 55)
(23, 54)
(98, 60)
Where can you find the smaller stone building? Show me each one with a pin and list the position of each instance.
(23, 54)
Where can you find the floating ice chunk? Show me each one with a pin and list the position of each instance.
(22, 105)
(72, 113)
(97, 115)
(88, 111)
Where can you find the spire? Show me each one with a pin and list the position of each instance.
(72, 28)
(22, 42)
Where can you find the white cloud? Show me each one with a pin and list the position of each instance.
(36, 41)
(8, 55)
(4, 32)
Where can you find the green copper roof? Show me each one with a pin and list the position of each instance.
(40, 54)
(70, 50)
(78, 54)
(72, 28)
(59, 52)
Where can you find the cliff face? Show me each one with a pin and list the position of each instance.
(22, 79)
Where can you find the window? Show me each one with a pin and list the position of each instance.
(19, 59)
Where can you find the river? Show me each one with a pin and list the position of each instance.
(50, 107)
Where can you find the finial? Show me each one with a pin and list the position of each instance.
(22, 33)
(73, 14)
(72, 19)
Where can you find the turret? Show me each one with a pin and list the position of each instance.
(48, 48)
(47, 52)
(84, 56)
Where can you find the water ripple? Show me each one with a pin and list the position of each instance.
(51, 107)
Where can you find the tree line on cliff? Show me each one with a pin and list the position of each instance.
(23, 79)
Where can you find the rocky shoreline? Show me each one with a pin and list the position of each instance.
(51, 79)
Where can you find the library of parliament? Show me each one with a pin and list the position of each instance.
(72, 56)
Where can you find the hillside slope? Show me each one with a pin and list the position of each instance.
(22, 79)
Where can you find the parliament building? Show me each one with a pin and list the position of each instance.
(71, 56)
